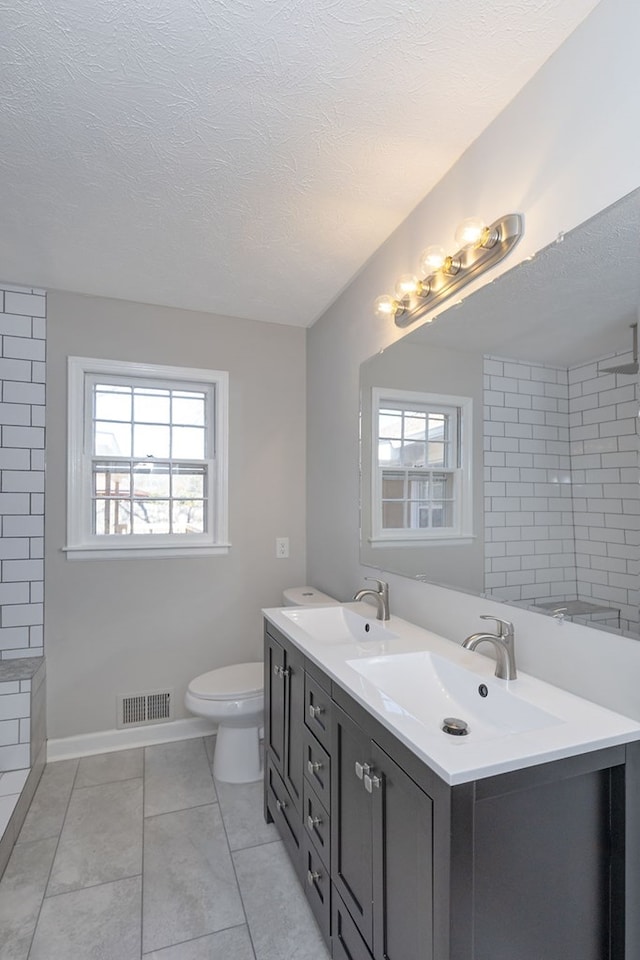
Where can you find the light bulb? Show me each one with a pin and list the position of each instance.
(407, 286)
(385, 306)
(432, 259)
(469, 232)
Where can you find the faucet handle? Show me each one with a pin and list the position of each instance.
(382, 585)
(505, 627)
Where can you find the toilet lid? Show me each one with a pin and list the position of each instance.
(229, 683)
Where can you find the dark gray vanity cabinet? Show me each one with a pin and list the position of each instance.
(284, 702)
(382, 846)
(541, 863)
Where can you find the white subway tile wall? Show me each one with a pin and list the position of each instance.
(23, 313)
(15, 726)
(562, 504)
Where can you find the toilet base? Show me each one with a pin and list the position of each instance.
(237, 757)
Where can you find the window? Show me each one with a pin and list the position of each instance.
(421, 467)
(147, 460)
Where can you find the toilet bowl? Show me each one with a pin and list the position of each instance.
(233, 698)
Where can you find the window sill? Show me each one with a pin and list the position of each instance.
(156, 552)
(461, 540)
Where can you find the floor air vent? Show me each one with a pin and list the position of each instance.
(142, 708)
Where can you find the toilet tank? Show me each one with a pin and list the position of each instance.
(300, 596)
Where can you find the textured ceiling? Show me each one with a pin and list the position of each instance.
(243, 157)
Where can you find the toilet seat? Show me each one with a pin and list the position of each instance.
(236, 682)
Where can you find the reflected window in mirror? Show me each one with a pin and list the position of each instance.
(421, 479)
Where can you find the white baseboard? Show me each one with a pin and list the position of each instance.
(106, 741)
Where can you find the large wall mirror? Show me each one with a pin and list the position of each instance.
(499, 443)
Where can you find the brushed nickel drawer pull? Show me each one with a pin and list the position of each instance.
(313, 766)
(315, 712)
(313, 822)
(371, 782)
(312, 876)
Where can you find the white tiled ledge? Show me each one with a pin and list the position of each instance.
(11, 785)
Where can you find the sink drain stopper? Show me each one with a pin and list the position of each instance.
(457, 728)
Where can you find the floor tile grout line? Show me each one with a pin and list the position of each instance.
(181, 943)
(235, 873)
(107, 783)
(255, 846)
(93, 886)
(194, 806)
(53, 859)
(144, 789)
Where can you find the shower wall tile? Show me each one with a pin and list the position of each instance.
(562, 498)
(23, 313)
(533, 516)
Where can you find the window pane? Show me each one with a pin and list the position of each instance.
(415, 426)
(437, 455)
(189, 483)
(393, 486)
(442, 486)
(418, 488)
(393, 516)
(418, 514)
(390, 424)
(112, 439)
(389, 452)
(151, 516)
(414, 455)
(150, 441)
(151, 480)
(151, 409)
(187, 443)
(442, 514)
(111, 517)
(437, 426)
(188, 516)
(112, 403)
(110, 480)
(188, 411)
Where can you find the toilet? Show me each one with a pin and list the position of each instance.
(233, 698)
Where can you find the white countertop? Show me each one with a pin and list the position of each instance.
(579, 726)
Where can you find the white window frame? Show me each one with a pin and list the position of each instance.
(461, 532)
(82, 543)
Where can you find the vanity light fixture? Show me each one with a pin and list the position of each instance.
(479, 248)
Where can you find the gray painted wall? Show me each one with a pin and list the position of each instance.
(123, 626)
(565, 148)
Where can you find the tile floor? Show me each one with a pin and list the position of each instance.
(139, 854)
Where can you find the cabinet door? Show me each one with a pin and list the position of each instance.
(402, 863)
(351, 821)
(294, 724)
(274, 686)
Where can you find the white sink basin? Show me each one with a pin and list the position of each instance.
(337, 624)
(431, 688)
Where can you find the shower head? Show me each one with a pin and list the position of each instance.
(628, 368)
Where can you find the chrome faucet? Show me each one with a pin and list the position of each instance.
(503, 644)
(381, 596)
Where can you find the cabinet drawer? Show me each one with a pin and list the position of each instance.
(285, 816)
(317, 885)
(317, 710)
(316, 822)
(347, 944)
(317, 767)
